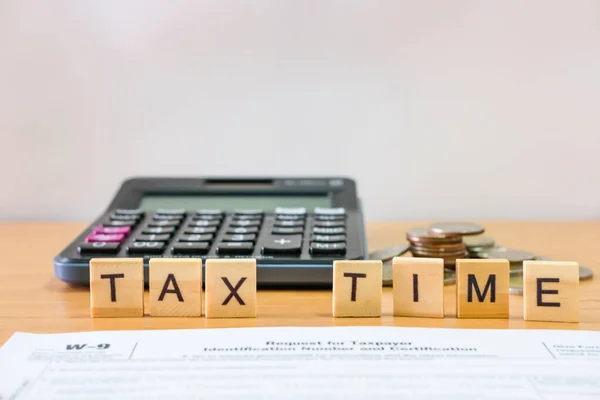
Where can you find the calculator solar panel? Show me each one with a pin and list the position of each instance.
(294, 245)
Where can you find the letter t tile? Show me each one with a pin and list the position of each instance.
(357, 288)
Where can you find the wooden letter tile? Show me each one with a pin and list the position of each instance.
(551, 291)
(117, 287)
(418, 287)
(230, 288)
(175, 287)
(482, 288)
(357, 288)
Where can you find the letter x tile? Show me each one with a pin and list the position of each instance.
(230, 288)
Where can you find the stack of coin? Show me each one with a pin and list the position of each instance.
(425, 243)
(478, 243)
(514, 257)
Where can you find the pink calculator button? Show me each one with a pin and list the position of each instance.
(98, 237)
(107, 230)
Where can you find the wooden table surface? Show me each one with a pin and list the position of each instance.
(33, 300)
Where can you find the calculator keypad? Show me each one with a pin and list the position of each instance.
(289, 232)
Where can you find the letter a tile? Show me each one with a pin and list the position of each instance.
(418, 287)
(357, 288)
(175, 287)
(230, 288)
(482, 288)
(551, 291)
(116, 287)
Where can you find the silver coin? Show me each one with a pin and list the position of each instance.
(512, 255)
(454, 228)
(479, 242)
(389, 252)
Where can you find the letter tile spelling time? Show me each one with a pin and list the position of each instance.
(357, 288)
(418, 287)
(116, 287)
(482, 288)
(551, 291)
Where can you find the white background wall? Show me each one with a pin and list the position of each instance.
(440, 109)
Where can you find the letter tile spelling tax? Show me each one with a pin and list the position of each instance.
(116, 287)
(175, 287)
(482, 288)
(551, 291)
(230, 288)
(418, 287)
(357, 288)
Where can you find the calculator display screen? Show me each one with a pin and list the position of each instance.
(267, 203)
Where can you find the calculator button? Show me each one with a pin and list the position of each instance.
(168, 211)
(300, 211)
(329, 231)
(246, 218)
(285, 217)
(235, 248)
(197, 237)
(330, 224)
(239, 238)
(282, 244)
(207, 211)
(328, 238)
(192, 231)
(119, 223)
(116, 217)
(149, 231)
(146, 248)
(204, 222)
(327, 248)
(241, 230)
(99, 237)
(153, 237)
(287, 231)
(289, 224)
(122, 211)
(329, 217)
(163, 224)
(207, 217)
(190, 248)
(105, 230)
(330, 211)
(248, 212)
(245, 223)
(167, 217)
(98, 248)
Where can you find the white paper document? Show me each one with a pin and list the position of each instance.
(303, 363)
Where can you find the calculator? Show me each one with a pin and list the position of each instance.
(295, 228)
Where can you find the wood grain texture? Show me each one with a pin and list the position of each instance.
(33, 300)
(117, 287)
(482, 288)
(230, 288)
(426, 275)
(551, 291)
(175, 288)
(357, 288)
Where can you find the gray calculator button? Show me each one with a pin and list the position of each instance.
(163, 223)
(251, 237)
(330, 217)
(287, 230)
(242, 230)
(190, 248)
(158, 230)
(119, 223)
(235, 248)
(122, 211)
(328, 238)
(329, 231)
(330, 224)
(209, 211)
(205, 222)
(327, 248)
(194, 230)
(118, 217)
(196, 237)
(289, 224)
(169, 211)
(249, 212)
(153, 237)
(290, 211)
(288, 244)
(245, 223)
(146, 248)
(159, 217)
(98, 248)
(330, 211)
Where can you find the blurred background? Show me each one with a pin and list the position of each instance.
(439, 109)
